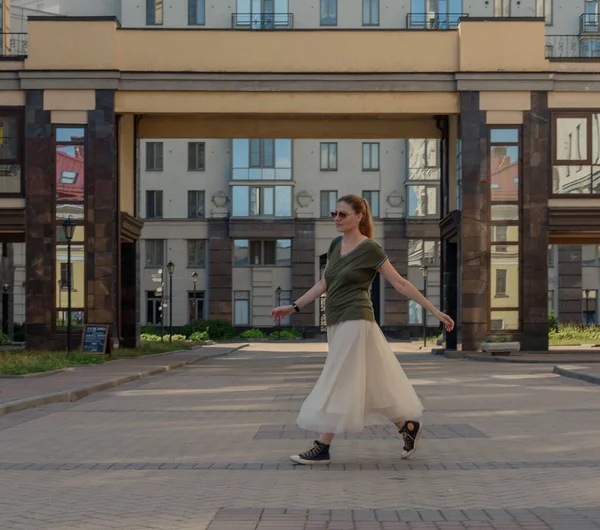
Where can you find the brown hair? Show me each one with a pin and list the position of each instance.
(360, 205)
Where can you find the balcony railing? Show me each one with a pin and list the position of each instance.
(433, 20)
(572, 47)
(13, 44)
(264, 21)
(589, 23)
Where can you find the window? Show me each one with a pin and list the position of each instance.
(502, 8)
(270, 253)
(196, 310)
(154, 156)
(264, 201)
(589, 298)
(196, 204)
(68, 177)
(154, 12)
(196, 253)
(9, 139)
(415, 313)
(590, 256)
(422, 252)
(329, 156)
(372, 197)
(155, 253)
(196, 13)
(435, 14)
(66, 279)
(285, 298)
(196, 156)
(500, 282)
(241, 308)
(262, 159)
(370, 157)
(424, 173)
(154, 204)
(328, 202)
(153, 308)
(370, 12)
(328, 12)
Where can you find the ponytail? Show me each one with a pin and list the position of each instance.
(361, 206)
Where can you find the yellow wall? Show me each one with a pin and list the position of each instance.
(78, 292)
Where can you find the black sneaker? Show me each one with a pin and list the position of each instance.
(318, 454)
(410, 431)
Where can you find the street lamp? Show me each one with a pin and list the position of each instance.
(278, 294)
(195, 312)
(424, 271)
(171, 269)
(68, 229)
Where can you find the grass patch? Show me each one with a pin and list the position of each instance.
(573, 335)
(35, 361)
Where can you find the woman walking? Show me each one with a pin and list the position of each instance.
(362, 382)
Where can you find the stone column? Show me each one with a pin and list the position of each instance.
(395, 243)
(534, 247)
(220, 276)
(102, 214)
(130, 294)
(474, 224)
(303, 270)
(569, 283)
(39, 183)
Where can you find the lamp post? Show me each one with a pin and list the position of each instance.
(69, 229)
(278, 294)
(171, 269)
(195, 312)
(424, 271)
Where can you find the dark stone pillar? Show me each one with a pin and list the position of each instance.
(474, 225)
(303, 270)
(534, 247)
(39, 183)
(102, 214)
(395, 244)
(569, 283)
(220, 272)
(130, 282)
(450, 289)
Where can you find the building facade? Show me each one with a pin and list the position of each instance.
(228, 170)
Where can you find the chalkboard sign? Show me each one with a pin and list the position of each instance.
(94, 339)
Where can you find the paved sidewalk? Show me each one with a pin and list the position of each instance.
(22, 393)
(589, 373)
(207, 447)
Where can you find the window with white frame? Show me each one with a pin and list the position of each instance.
(154, 204)
(196, 200)
(268, 253)
(424, 172)
(328, 12)
(241, 308)
(155, 253)
(196, 13)
(196, 253)
(423, 252)
(415, 313)
(153, 308)
(370, 12)
(372, 197)
(196, 156)
(543, 9)
(502, 8)
(261, 201)
(154, 12)
(329, 154)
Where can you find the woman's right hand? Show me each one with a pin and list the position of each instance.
(281, 312)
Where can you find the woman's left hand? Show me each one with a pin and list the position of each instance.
(445, 320)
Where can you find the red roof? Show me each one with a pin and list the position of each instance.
(67, 189)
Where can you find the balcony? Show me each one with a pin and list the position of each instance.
(262, 21)
(589, 23)
(434, 20)
(572, 47)
(13, 45)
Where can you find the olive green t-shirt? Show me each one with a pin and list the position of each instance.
(349, 279)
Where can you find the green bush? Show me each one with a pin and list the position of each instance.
(286, 334)
(19, 332)
(576, 333)
(552, 321)
(150, 337)
(4, 338)
(253, 334)
(216, 329)
(199, 336)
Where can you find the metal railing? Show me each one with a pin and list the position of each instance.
(589, 23)
(262, 21)
(13, 44)
(433, 20)
(571, 47)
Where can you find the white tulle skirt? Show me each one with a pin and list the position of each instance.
(362, 383)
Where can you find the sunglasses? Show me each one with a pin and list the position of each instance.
(341, 215)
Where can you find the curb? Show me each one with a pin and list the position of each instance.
(36, 374)
(517, 360)
(76, 394)
(573, 374)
